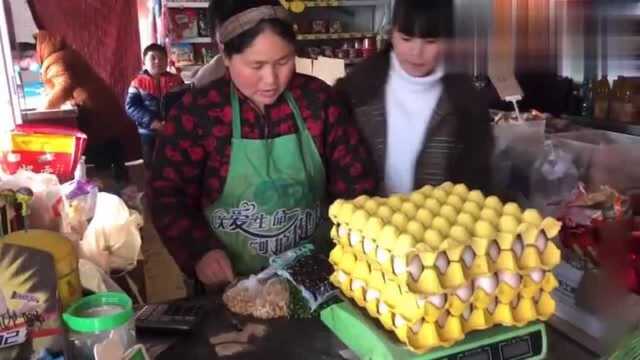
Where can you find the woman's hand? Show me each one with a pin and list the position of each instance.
(214, 268)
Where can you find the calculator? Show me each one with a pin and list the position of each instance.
(174, 317)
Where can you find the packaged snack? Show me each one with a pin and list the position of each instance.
(184, 23)
(319, 26)
(182, 54)
(203, 24)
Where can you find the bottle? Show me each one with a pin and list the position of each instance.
(81, 170)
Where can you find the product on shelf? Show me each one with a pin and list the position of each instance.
(336, 27)
(442, 261)
(184, 23)
(182, 54)
(319, 26)
(203, 24)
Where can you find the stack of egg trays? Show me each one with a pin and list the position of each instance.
(442, 261)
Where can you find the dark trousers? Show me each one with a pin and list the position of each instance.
(148, 147)
(109, 156)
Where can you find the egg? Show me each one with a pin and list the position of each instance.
(510, 278)
(424, 216)
(395, 201)
(489, 215)
(417, 198)
(359, 219)
(416, 229)
(399, 265)
(404, 243)
(334, 210)
(357, 284)
(455, 201)
(493, 251)
(484, 229)
(541, 242)
(492, 306)
(440, 195)
(416, 327)
(438, 300)
(421, 300)
(383, 255)
(374, 227)
(493, 202)
(471, 208)
(360, 200)
(399, 220)
(442, 225)
(488, 283)
(343, 231)
(460, 190)
(372, 294)
(460, 234)
(464, 292)
(368, 246)
(512, 209)
(466, 313)
(409, 209)
(442, 320)
(442, 262)
(399, 321)
(389, 236)
(371, 206)
(385, 213)
(342, 276)
(536, 275)
(517, 246)
(468, 256)
(346, 211)
(508, 224)
(355, 238)
(383, 309)
(476, 196)
(426, 190)
(532, 216)
(432, 205)
(415, 267)
(466, 220)
(449, 212)
(433, 238)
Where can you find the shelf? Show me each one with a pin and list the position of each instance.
(342, 3)
(188, 4)
(197, 40)
(353, 35)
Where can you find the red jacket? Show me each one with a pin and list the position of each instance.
(145, 96)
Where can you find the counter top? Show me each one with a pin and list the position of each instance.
(65, 112)
(286, 339)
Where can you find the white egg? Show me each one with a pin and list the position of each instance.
(415, 267)
(442, 320)
(536, 275)
(437, 300)
(466, 313)
(417, 326)
(541, 242)
(399, 265)
(494, 251)
(464, 292)
(383, 308)
(517, 246)
(357, 284)
(399, 321)
(510, 278)
(442, 262)
(372, 295)
(368, 246)
(342, 276)
(421, 300)
(383, 255)
(468, 256)
(355, 238)
(343, 231)
(488, 283)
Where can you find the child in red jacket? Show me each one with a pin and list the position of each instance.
(146, 94)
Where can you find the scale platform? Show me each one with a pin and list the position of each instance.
(370, 342)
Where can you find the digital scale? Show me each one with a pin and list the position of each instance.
(369, 341)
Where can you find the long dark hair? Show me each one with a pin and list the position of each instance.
(424, 18)
(222, 10)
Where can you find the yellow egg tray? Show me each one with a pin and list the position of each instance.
(438, 238)
(425, 323)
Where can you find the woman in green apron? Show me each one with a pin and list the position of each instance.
(246, 165)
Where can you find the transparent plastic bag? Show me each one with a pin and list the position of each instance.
(258, 297)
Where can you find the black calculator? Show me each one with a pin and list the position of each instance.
(174, 317)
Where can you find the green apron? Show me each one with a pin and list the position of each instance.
(273, 198)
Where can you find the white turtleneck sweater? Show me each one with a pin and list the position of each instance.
(410, 103)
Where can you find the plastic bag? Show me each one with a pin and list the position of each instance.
(258, 297)
(112, 239)
(79, 205)
(47, 196)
